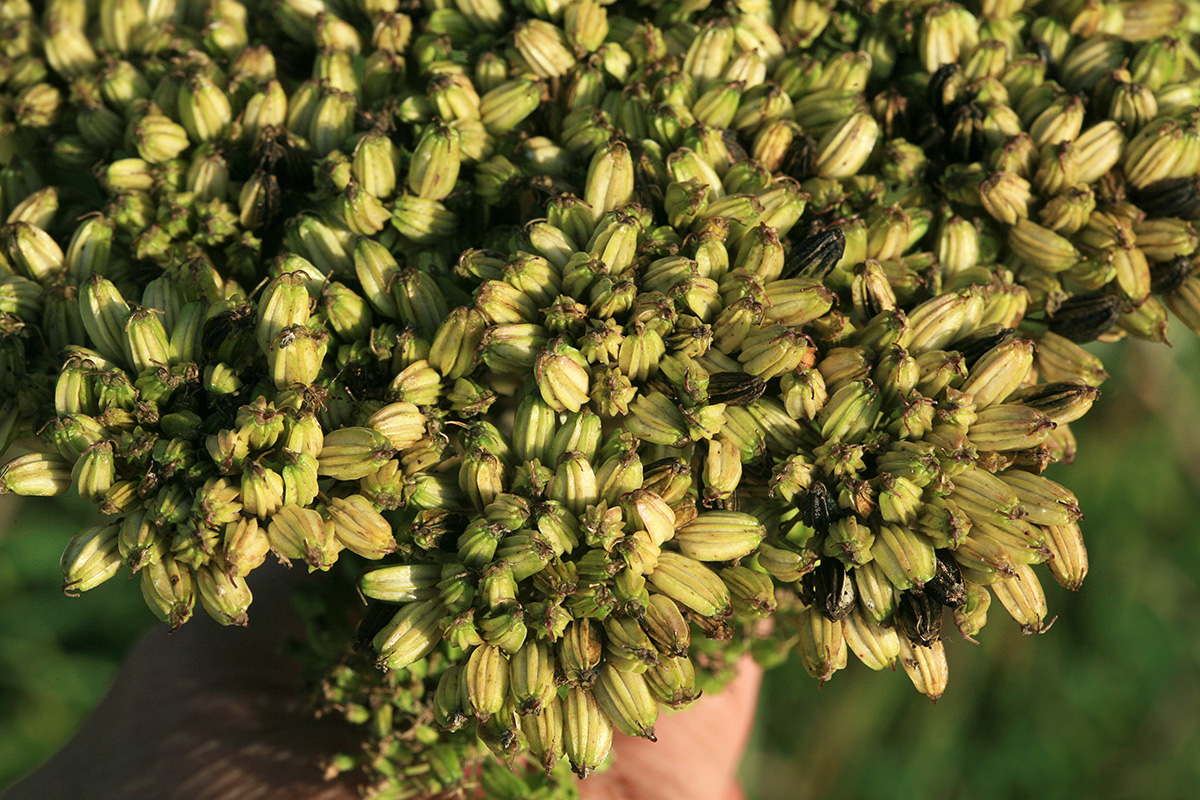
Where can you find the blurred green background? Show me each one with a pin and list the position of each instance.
(1104, 705)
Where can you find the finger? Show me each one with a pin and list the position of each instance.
(697, 752)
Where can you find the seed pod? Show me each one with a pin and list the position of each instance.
(454, 347)
(1057, 359)
(720, 536)
(845, 148)
(972, 615)
(907, 558)
(300, 533)
(284, 303)
(1160, 151)
(574, 483)
(504, 627)
(580, 433)
(751, 591)
(626, 700)
(627, 645)
(1069, 565)
(1023, 598)
(90, 558)
(104, 314)
(673, 682)
(204, 109)
(435, 163)
(360, 528)
(665, 625)
(783, 564)
(146, 344)
(609, 180)
(899, 499)
(926, 667)
(32, 251)
(562, 377)
(487, 680)
(937, 322)
(876, 645)
(984, 497)
(531, 677)
(295, 356)
(36, 475)
(580, 650)
(1010, 427)
(94, 471)
(169, 591)
(849, 412)
(1062, 402)
(722, 471)
(691, 584)
(850, 540)
(620, 475)
(401, 583)
(1045, 502)
(352, 453)
(544, 733)
(796, 301)
(402, 423)
(588, 731)
(224, 597)
(512, 349)
(245, 544)
(411, 634)
(544, 48)
(656, 419)
(822, 644)
(999, 372)
(1013, 541)
(450, 704)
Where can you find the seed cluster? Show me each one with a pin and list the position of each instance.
(608, 326)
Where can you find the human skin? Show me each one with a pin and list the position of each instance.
(212, 713)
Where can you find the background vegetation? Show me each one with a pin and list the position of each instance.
(1104, 705)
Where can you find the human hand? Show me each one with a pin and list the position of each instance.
(212, 713)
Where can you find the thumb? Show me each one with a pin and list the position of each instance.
(697, 753)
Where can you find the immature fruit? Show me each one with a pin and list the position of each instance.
(632, 330)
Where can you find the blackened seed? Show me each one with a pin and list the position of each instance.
(1173, 197)
(800, 158)
(919, 617)
(978, 342)
(816, 256)
(438, 529)
(1083, 318)
(374, 620)
(1043, 52)
(819, 508)
(937, 88)
(832, 589)
(1054, 398)
(1169, 278)
(736, 151)
(947, 585)
(735, 388)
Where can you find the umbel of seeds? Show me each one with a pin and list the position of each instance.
(605, 329)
